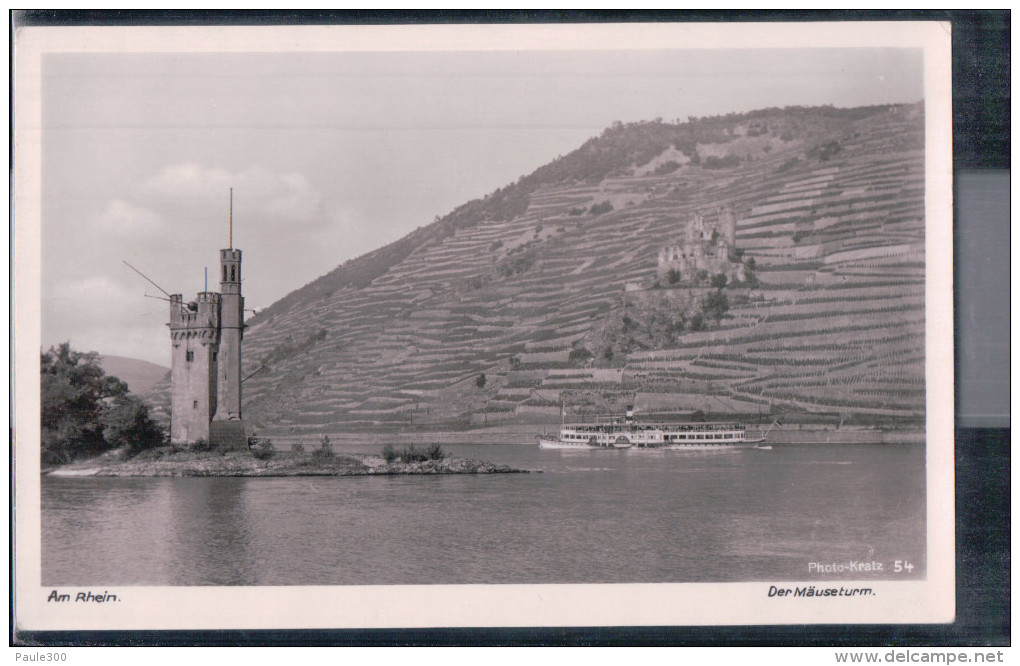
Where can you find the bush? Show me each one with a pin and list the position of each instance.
(579, 355)
(127, 423)
(715, 305)
(601, 208)
(828, 150)
(510, 267)
(410, 454)
(201, 445)
(325, 449)
(264, 450)
(666, 167)
(298, 447)
(713, 162)
(673, 276)
(788, 164)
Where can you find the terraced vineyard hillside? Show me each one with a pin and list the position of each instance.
(494, 313)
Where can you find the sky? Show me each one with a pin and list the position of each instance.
(331, 155)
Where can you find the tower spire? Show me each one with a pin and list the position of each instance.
(231, 218)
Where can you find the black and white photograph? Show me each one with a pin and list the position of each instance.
(425, 326)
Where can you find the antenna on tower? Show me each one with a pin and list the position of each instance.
(146, 277)
(206, 288)
(231, 218)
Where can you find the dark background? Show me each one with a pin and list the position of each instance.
(981, 158)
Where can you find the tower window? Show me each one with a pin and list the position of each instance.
(233, 275)
(214, 355)
(224, 272)
(189, 356)
(194, 404)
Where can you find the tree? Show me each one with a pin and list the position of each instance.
(127, 423)
(579, 356)
(715, 305)
(749, 277)
(480, 380)
(719, 280)
(73, 387)
(85, 412)
(325, 449)
(673, 276)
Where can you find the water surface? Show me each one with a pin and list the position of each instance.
(590, 517)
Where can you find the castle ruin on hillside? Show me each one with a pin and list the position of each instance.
(205, 368)
(706, 247)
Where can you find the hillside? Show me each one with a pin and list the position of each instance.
(141, 376)
(506, 307)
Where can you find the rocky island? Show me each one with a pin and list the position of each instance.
(166, 461)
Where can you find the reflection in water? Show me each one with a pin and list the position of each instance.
(596, 516)
(210, 536)
(93, 528)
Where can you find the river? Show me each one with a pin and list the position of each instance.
(589, 517)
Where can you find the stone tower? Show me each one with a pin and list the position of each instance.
(195, 336)
(205, 368)
(228, 403)
(728, 225)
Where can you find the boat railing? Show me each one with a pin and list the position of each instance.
(656, 425)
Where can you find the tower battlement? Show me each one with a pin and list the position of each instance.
(201, 313)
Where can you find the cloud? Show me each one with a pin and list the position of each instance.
(171, 225)
(187, 181)
(259, 193)
(124, 218)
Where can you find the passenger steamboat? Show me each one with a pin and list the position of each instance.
(615, 432)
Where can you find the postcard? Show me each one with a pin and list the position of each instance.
(483, 326)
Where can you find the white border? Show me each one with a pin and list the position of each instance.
(929, 601)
